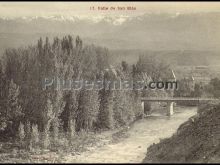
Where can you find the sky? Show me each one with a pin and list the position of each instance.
(26, 9)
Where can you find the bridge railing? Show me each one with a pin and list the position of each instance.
(178, 99)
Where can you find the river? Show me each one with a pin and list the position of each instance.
(142, 134)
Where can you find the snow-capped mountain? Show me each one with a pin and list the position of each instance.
(114, 20)
(147, 31)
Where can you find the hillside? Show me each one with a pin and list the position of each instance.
(164, 31)
(196, 141)
(173, 57)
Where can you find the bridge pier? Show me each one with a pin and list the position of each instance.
(145, 108)
(170, 102)
(142, 106)
(170, 108)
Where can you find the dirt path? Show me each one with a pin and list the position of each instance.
(141, 135)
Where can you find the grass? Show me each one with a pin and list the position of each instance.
(11, 152)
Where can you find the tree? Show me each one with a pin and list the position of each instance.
(197, 90)
(88, 110)
(214, 87)
(123, 108)
(3, 117)
(124, 65)
(105, 117)
(35, 134)
(47, 118)
(184, 89)
(13, 109)
(58, 107)
(48, 109)
(78, 42)
(21, 133)
(69, 114)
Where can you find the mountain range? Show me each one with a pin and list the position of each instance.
(150, 31)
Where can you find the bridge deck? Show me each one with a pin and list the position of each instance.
(177, 99)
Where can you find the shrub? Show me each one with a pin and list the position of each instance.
(35, 135)
(21, 133)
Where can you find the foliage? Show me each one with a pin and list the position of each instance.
(214, 87)
(48, 113)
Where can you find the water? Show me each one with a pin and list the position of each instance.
(141, 135)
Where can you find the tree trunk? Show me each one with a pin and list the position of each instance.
(46, 131)
(71, 126)
(55, 130)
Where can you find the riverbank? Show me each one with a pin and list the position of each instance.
(133, 146)
(126, 145)
(196, 141)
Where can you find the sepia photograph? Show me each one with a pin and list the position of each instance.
(109, 82)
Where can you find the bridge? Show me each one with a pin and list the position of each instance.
(170, 101)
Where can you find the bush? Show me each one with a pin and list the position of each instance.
(21, 133)
(35, 135)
